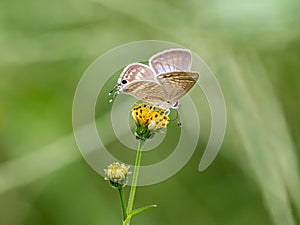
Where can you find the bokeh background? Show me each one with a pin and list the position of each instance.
(253, 47)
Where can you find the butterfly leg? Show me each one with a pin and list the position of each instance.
(176, 105)
(179, 124)
(167, 112)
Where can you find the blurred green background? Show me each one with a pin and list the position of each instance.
(253, 47)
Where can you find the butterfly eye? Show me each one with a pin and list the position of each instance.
(124, 81)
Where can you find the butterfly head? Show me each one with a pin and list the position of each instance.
(122, 81)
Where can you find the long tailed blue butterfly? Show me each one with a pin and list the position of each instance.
(163, 82)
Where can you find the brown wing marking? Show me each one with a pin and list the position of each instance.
(177, 84)
(137, 71)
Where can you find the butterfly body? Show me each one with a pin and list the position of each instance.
(163, 82)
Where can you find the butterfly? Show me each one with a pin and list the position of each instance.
(163, 82)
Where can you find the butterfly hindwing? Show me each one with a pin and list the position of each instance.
(177, 84)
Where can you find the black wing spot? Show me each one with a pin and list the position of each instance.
(124, 81)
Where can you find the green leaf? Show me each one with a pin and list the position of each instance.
(136, 211)
(139, 210)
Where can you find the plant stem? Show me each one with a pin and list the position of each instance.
(123, 205)
(135, 177)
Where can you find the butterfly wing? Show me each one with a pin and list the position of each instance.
(135, 72)
(166, 80)
(148, 91)
(177, 84)
(171, 61)
(139, 81)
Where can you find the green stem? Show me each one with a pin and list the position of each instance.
(135, 177)
(123, 205)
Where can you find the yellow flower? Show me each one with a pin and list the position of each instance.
(148, 119)
(116, 173)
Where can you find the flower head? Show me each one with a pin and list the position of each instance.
(148, 120)
(117, 174)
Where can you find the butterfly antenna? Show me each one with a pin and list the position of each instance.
(113, 92)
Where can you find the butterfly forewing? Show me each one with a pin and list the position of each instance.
(134, 72)
(177, 84)
(171, 61)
